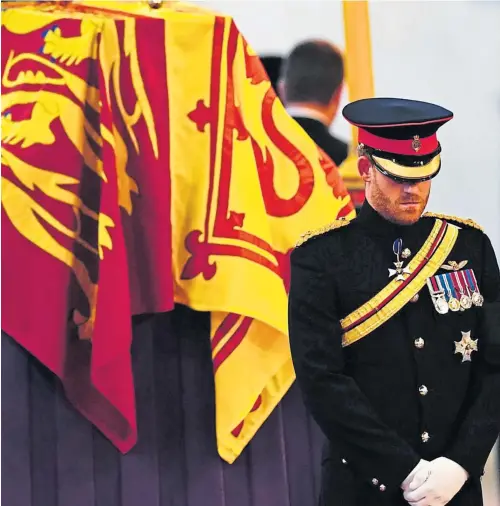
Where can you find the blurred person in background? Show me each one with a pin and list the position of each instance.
(272, 65)
(310, 86)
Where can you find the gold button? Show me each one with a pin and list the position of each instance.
(375, 481)
(425, 437)
(423, 390)
(415, 298)
(382, 488)
(419, 343)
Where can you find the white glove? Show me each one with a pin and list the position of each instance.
(436, 484)
(421, 466)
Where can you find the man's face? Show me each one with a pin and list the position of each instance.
(400, 203)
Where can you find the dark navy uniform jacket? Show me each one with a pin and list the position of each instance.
(401, 393)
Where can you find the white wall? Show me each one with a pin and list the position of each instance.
(442, 51)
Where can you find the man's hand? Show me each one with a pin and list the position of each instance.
(436, 484)
(419, 468)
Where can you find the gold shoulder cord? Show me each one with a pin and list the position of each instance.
(320, 231)
(462, 221)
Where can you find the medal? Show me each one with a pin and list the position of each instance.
(463, 281)
(453, 302)
(466, 346)
(477, 298)
(399, 271)
(465, 300)
(441, 305)
(437, 296)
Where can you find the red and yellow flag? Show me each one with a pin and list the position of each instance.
(254, 183)
(85, 198)
(138, 144)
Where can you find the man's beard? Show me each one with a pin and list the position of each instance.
(391, 211)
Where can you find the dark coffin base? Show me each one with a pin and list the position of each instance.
(51, 456)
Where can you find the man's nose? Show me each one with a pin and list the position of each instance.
(411, 188)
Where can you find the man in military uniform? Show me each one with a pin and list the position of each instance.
(394, 321)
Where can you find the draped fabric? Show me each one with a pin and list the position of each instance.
(80, 214)
(147, 160)
(52, 456)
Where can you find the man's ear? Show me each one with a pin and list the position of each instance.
(364, 168)
(337, 95)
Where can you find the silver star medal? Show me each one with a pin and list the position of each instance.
(466, 346)
(400, 272)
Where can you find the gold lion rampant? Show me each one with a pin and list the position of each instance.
(48, 71)
(342, 222)
(455, 219)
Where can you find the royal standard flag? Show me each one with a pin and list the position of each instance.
(157, 130)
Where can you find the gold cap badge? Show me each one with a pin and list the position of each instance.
(416, 144)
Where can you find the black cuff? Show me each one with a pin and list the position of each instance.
(384, 476)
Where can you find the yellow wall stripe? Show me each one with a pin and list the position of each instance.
(358, 54)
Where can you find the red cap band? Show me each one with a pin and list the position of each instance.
(413, 147)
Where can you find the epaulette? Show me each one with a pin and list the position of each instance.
(320, 231)
(455, 220)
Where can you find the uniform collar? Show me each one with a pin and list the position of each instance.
(306, 112)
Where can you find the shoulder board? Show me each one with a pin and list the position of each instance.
(455, 220)
(320, 231)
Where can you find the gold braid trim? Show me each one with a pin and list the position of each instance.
(320, 231)
(394, 296)
(462, 221)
